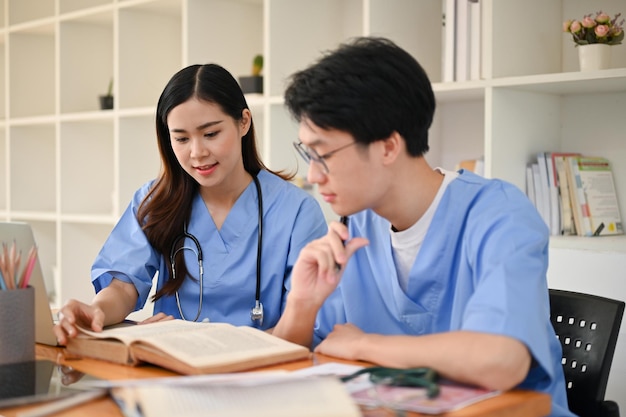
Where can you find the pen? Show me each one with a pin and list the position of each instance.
(64, 403)
(343, 220)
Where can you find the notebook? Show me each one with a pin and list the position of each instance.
(23, 236)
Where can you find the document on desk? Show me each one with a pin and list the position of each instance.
(451, 396)
(256, 393)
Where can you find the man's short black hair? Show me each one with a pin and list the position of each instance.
(368, 87)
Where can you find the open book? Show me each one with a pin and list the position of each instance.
(260, 394)
(187, 347)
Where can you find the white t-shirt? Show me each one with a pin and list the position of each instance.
(407, 243)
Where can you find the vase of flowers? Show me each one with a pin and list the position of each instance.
(594, 36)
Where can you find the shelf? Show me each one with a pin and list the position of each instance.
(69, 6)
(600, 244)
(604, 81)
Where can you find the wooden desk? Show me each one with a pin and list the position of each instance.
(515, 403)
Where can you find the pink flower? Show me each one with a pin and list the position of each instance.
(575, 27)
(602, 31)
(566, 25)
(603, 18)
(588, 22)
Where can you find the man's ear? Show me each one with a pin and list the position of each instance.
(392, 147)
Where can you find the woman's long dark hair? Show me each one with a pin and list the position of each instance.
(167, 207)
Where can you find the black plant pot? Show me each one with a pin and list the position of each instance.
(106, 102)
(251, 84)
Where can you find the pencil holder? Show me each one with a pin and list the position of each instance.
(17, 325)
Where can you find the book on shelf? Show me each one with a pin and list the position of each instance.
(553, 191)
(577, 197)
(187, 347)
(542, 188)
(530, 185)
(461, 47)
(261, 394)
(475, 41)
(540, 204)
(567, 225)
(477, 166)
(449, 53)
(600, 195)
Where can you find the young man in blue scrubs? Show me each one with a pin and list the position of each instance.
(437, 268)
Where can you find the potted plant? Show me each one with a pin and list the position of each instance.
(253, 83)
(594, 37)
(106, 100)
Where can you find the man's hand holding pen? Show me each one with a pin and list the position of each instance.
(320, 264)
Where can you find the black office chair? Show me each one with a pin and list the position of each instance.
(587, 326)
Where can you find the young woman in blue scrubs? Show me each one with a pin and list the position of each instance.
(220, 229)
(440, 269)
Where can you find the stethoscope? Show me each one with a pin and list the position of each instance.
(256, 313)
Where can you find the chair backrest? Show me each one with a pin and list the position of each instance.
(587, 327)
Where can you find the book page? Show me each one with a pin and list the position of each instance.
(219, 343)
(275, 397)
(128, 334)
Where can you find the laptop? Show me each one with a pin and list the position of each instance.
(24, 239)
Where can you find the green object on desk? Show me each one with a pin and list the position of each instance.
(411, 377)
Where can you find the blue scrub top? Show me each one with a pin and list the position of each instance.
(482, 267)
(291, 219)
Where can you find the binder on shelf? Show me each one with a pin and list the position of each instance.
(462, 41)
(449, 41)
(475, 39)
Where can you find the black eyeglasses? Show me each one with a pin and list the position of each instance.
(309, 154)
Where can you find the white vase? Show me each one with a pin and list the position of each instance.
(595, 56)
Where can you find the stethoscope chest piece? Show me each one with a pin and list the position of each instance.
(256, 314)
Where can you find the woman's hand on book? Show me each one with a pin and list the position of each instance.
(75, 313)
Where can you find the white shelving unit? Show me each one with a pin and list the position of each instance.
(70, 169)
